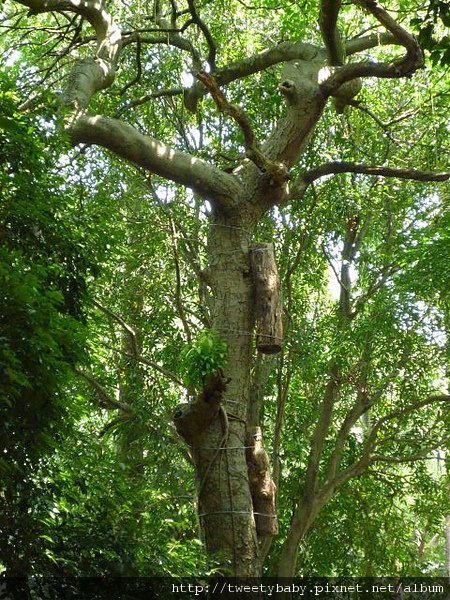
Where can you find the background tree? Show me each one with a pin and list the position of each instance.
(43, 270)
(253, 163)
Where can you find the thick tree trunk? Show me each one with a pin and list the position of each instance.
(224, 500)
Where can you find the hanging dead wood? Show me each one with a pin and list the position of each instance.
(269, 310)
(262, 487)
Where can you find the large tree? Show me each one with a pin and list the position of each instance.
(190, 92)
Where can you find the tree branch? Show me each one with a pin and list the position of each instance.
(130, 331)
(411, 457)
(398, 414)
(204, 29)
(376, 285)
(90, 74)
(369, 41)
(276, 171)
(138, 75)
(146, 152)
(147, 97)
(169, 37)
(321, 432)
(106, 401)
(134, 346)
(178, 300)
(361, 406)
(334, 168)
(283, 52)
(329, 10)
(411, 61)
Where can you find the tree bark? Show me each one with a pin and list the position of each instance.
(269, 311)
(224, 500)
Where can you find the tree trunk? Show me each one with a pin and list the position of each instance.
(300, 525)
(224, 500)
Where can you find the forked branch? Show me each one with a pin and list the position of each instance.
(410, 62)
(90, 74)
(277, 171)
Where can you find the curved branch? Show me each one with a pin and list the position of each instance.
(411, 61)
(204, 29)
(277, 171)
(91, 74)
(299, 186)
(329, 10)
(334, 168)
(170, 38)
(283, 52)
(153, 155)
(138, 75)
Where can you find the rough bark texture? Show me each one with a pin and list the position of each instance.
(193, 420)
(269, 310)
(225, 503)
(262, 487)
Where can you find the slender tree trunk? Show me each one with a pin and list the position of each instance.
(300, 525)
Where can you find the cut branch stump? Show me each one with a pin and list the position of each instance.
(269, 309)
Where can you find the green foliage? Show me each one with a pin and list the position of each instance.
(433, 31)
(43, 269)
(206, 355)
(372, 509)
(95, 519)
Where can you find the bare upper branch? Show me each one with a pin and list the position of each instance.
(334, 168)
